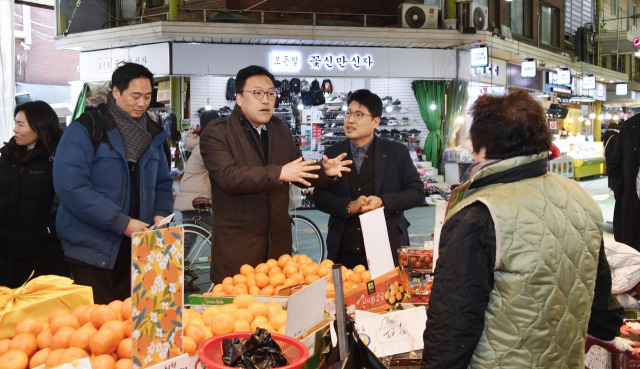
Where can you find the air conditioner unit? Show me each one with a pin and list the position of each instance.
(418, 16)
(479, 17)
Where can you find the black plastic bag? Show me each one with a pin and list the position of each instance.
(259, 351)
(359, 355)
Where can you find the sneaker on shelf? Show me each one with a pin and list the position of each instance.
(397, 102)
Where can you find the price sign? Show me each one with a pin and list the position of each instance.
(528, 69)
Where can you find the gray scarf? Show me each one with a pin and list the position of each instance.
(134, 132)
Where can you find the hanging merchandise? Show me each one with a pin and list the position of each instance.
(230, 93)
(317, 97)
(285, 92)
(327, 87)
(304, 86)
(295, 85)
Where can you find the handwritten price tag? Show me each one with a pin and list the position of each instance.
(392, 333)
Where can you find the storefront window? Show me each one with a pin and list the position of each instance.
(548, 24)
(521, 16)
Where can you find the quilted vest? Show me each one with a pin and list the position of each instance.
(548, 232)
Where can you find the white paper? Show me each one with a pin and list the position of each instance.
(376, 242)
(179, 362)
(441, 212)
(392, 333)
(163, 222)
(305, 308)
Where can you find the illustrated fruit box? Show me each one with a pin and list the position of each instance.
(417, 284)
(370, 295)
(416, 258)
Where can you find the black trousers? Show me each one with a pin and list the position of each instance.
(107, 284)
(351, 259)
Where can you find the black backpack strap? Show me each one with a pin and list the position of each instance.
(95, 128)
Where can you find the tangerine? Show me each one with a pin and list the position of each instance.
(102, 314)
(63, 320)
(209, 313)
(310, 278)
(246, 269)
(56, 312)
(124, 349)
(242, 314)
(117, 326)
(39, 358)
(78, 311)
(228, 308)
(289, 282)
(196, 332)
(217, 289)
(127, 328)
(227, 280)
(359, 268)
(278, 319)
(227, 288)
(54, 358)
(85, 314)
(310, 269)
(282, 260)
(240, 279)
(29, 325)
(328, 262)
(60, 340)
(254, 290)
(274, 270)
(242, 301)
(272, 308)
(43, 339)
(240, 289)
(222, 323)
(103, 362)
(366, 276)
(289, 269)
(298, 277)
(261, 279)
(124, 364)
(125, 309)
(355, 278)
(347, 285)
(4, 345)
(277, 279)
(267, 291)
(25, 342)
(116, 305)
(241, 325)
(324, 270)
(71, 354)
(81, 337)
(257, 308)
(104, 342)
(259, 322)
(272, 263)
(14, 359)
(188, 346)
(262, 268)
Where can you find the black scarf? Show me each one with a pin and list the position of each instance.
(134, 132)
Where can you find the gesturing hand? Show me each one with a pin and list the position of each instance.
(355, 206)
(298, 171)
(335, 167)
(135, 226)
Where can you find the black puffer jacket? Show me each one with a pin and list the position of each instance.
(28, 238)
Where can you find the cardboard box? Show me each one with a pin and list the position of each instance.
(370, 295)
(317, 339)
(393, 332)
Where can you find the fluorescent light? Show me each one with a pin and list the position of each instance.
(592, 116)
(580, 119)
(587, 122)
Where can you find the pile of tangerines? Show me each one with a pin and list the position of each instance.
(102, 332)
(243, 315)
(269, 278)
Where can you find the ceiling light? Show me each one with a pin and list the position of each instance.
(345, 107)
(611, 81)
(388, 108)
(580, 119)
(592, 116)
(570, 120)
(587, 122)
(616, 117)
(607, 116)
(460, 119)
(433, 105)
(600, 117)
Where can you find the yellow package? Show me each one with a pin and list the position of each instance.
(38, 298)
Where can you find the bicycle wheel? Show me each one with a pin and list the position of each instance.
(307, 238)
(197, 238)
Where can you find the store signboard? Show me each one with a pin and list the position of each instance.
(621, 89)
(514, 78)
(313, 61)
(589, 83)
(285, 61)
(528, 69)
(562, 77)
(99, 65)
(479, 57)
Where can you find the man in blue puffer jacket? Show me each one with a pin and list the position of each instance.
(114, 189)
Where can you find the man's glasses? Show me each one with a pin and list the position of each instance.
(259, 94)
(357, 115)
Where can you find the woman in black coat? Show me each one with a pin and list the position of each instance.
(28, 205)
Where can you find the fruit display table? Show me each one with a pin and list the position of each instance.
(587, 167)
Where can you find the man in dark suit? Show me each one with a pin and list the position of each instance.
(382, 175)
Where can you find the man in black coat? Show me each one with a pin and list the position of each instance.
(622, 170)
(382, 175)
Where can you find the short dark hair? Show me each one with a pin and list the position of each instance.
(250, 71)
(367, 98)
(613, 125)
(128, 71)
(43, 120)
(509, 126)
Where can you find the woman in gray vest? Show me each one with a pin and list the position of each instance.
(521, 265)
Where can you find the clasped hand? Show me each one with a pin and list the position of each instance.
(365, 204)
(299, 170)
